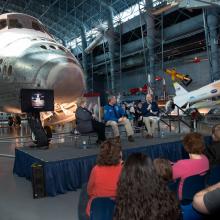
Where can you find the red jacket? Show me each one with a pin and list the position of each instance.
(103, 182)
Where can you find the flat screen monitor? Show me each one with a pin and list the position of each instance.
(37, 100)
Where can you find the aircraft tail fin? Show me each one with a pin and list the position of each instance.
(179, 89)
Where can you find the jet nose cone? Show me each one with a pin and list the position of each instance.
(66, 79)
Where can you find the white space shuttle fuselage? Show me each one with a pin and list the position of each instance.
(31, 58)
(184, 97)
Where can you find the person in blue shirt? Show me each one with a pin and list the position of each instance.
(115, 115)
(150, 113)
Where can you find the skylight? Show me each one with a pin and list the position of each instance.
(120, 18)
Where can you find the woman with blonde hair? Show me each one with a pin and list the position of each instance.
(86, 123)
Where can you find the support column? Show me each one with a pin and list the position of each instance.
(150, 41)
(84, 55)
(111, 37)
(212, 25)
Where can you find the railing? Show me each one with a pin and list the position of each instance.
(177, 118)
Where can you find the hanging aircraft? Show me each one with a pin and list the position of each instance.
(185, 79)
(183, 97)
(31, 58)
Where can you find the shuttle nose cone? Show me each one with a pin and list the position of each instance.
(66, 79)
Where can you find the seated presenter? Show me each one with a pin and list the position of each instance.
(150, 112)
(114, 115)
(85, 122)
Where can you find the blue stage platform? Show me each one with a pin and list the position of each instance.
(67, 169)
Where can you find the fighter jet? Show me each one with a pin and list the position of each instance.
(31, 58)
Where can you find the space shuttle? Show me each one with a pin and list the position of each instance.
(31, 58)
(183, 97)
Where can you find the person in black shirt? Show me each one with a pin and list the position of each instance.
(207, 201)
(86, 123)
(138, 114)
(213, 150)
(150, 112)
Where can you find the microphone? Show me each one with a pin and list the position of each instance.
(149, 107)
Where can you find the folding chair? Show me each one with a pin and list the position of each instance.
(191, 186)
(102, 208)
(213, 175)
(189, 213)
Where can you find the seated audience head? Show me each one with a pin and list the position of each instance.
(149, 97)
(163, 168)
(81, 102)
(110, 153)
(194, 143)
(139, 105)
(112, 99)
(124, 106)
(142, 194)
(216, 132)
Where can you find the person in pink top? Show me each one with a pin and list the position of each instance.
(105, 175)
(196, 164)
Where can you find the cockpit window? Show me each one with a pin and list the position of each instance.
(36, 26)
(3, 23)
(13, 23)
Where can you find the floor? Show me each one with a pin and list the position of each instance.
(16, 201)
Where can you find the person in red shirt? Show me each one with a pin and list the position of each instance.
(105, 175)
(196, 164)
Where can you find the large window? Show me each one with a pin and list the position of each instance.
(3, 23)
(36, 26)
(14, 23)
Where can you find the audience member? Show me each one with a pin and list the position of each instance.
(85, 122)
(129, 113)
(138, 114)
(163, 168)
(213, 150)
(104, 176)
(150, 112)
(115, 115)
(124, 107)
(10, 121)
(170, 106)
(141, 194)
(17, 120)
(207, 201)
(196, 164)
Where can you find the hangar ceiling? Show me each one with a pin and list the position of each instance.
(63, 18)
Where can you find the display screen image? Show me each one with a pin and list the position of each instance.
(37, 100)
(33, 100)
